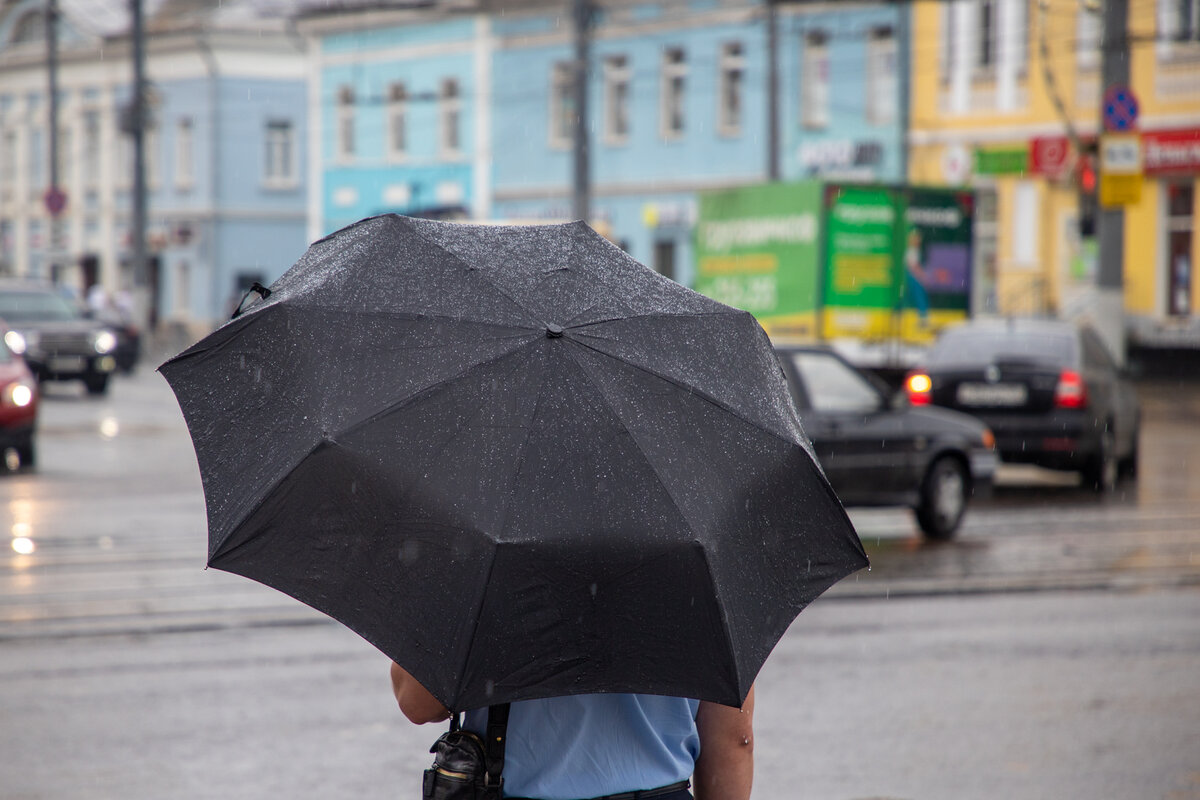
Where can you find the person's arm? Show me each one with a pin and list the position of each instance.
(414, 699)
(725, 768)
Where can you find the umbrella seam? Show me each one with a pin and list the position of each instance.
(600, 393)
(520, 462)
(421, 234)
(399, 404)
(691, 390)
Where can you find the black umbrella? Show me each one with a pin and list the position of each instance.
(515, 460)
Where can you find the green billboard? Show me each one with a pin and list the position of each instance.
(757, 248)
(816, 260)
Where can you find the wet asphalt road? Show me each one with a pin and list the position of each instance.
(1051, 651)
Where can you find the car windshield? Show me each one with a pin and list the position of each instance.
(17, 307)
(972, 346)
(832, 386)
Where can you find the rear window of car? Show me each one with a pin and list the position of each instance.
(991, 346)
(34, 306)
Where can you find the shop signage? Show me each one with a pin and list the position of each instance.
(1048, 155)
(1171, 152)
(1002, 161)
(834, 154)
(1120, 169)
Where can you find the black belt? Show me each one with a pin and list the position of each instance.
(640, 795)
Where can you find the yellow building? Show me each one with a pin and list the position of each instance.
(1005, 94)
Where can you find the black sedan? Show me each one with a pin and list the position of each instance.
(877, 450)
(1049, 390)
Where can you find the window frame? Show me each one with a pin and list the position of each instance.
(731, 89)
(672, 107)
(618, 87)
(815, 95)
(397, 120)
(279, 136)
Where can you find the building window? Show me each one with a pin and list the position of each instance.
(150, 152)
(450, 113)
(562, 104)
(1178, 27)
(674, 89)
(883, 85)
(345, 124)
(37, 163)
(616, 99)
(985, 35)
(8, 164)
(1181, 208)
(814, 83)
(664, 258)
(279, 167)
(185, 171)
(91, 149)
(1087, 37)
(731, 80)
(397, 121)
(63, 161)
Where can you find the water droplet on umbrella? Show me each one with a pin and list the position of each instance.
(593, 589)
(489, 687)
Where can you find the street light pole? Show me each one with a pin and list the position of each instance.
(1110, 222)
(138, 132)
(581, 184)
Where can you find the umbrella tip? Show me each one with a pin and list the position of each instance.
(553, 331)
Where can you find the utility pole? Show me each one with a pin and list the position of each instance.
(581, 196)
(1110, 222)
(54, 198)
(137, 113)
(772, 90)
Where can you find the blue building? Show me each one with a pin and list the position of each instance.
(466, 110)
(226, 190)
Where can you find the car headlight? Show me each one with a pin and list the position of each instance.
(104, 341)
(18, 393)
(15, 341)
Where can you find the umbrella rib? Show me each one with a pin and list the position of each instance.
(397, 404)
(483, 275)
(519, 462)
(666, 488)
(686, 387)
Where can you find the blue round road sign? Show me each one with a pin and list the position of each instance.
(1120, 109)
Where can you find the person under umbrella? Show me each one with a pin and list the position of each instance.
(534, 473)
(600, 745)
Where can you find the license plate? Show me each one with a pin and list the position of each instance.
(67, 364)
(992, 394)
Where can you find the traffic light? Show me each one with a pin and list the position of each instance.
(1087, 182)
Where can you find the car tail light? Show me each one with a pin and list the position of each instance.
(1071, 391)
(919, 388)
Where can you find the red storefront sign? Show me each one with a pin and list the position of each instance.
(1174, 152)
(1048, 155)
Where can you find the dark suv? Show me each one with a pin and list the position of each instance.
(58, 341)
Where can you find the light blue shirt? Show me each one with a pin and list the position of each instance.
(581, 746)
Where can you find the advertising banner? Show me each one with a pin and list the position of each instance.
(861, 266)
(898, 262)
(936, 287)
(757, 248)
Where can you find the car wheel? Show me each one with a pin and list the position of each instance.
(1129, 464)
(27, 454)
(1100, 472)
(943, 498)
(96, 384)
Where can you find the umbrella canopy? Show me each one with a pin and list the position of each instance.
(517, 461)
